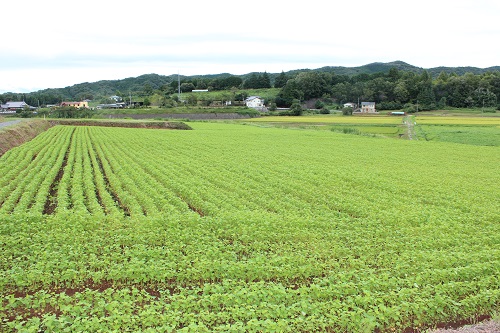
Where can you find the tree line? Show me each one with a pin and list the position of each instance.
(391, 90)
(395, 89)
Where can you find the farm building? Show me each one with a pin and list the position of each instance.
(367, 107)
(14, 106)
(111, 106)
(349, 105)
(77, 105)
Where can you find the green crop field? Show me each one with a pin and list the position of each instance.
(457, 120)
(238, 228)
(330, 119)
(479, 131)
(386, 126)
(473, 135)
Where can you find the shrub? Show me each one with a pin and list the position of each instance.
(296, 109)
(347, 111)
(319, 104)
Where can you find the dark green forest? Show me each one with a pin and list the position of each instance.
(392, 86)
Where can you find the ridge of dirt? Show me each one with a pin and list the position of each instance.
(176, 125)
(21, 132)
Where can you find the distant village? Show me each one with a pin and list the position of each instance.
(254, 102)
(13, 107)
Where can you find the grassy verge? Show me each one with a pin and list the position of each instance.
(16, 135)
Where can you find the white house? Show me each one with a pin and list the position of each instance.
(367, 107)
(254, 102)
(349, 105)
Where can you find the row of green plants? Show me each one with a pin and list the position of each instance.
(248, 229)
(30, 173)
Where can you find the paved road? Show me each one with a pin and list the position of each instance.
(8, 123)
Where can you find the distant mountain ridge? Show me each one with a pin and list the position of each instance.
(375, 67)
(110, 87)
(378, 67)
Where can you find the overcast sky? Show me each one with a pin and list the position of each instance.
(55, 43)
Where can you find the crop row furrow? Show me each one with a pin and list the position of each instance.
(17, 159)
(42, 170)
(127, 203)
(159, 198)
(102, 186)
(18, 172)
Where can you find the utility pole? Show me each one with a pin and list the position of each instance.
(179, 85)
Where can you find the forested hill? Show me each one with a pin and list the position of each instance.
(381, 67)
(148, 83)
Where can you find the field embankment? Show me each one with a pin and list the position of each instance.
(17, 134)
(127, 124)
(192, 116)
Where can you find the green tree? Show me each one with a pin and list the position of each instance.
(484, 98)
(393, 74)
(289, 93)
(341, 92)
(232, 81)
(264, 81)
(257, 81)
(319, 104)
(425, 97)
(296, 109)
(201, 84)
(251, 82)
(313, 84)
(347, 111)
(192, 99)
(25, 112)
(401, 94)
(280, 80)
(147, 89)
(187, 87)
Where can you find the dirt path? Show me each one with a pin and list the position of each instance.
(410, 128)
(491, 326)
(8, 123)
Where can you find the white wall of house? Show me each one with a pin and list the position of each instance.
(368, 107)
(254, 102)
